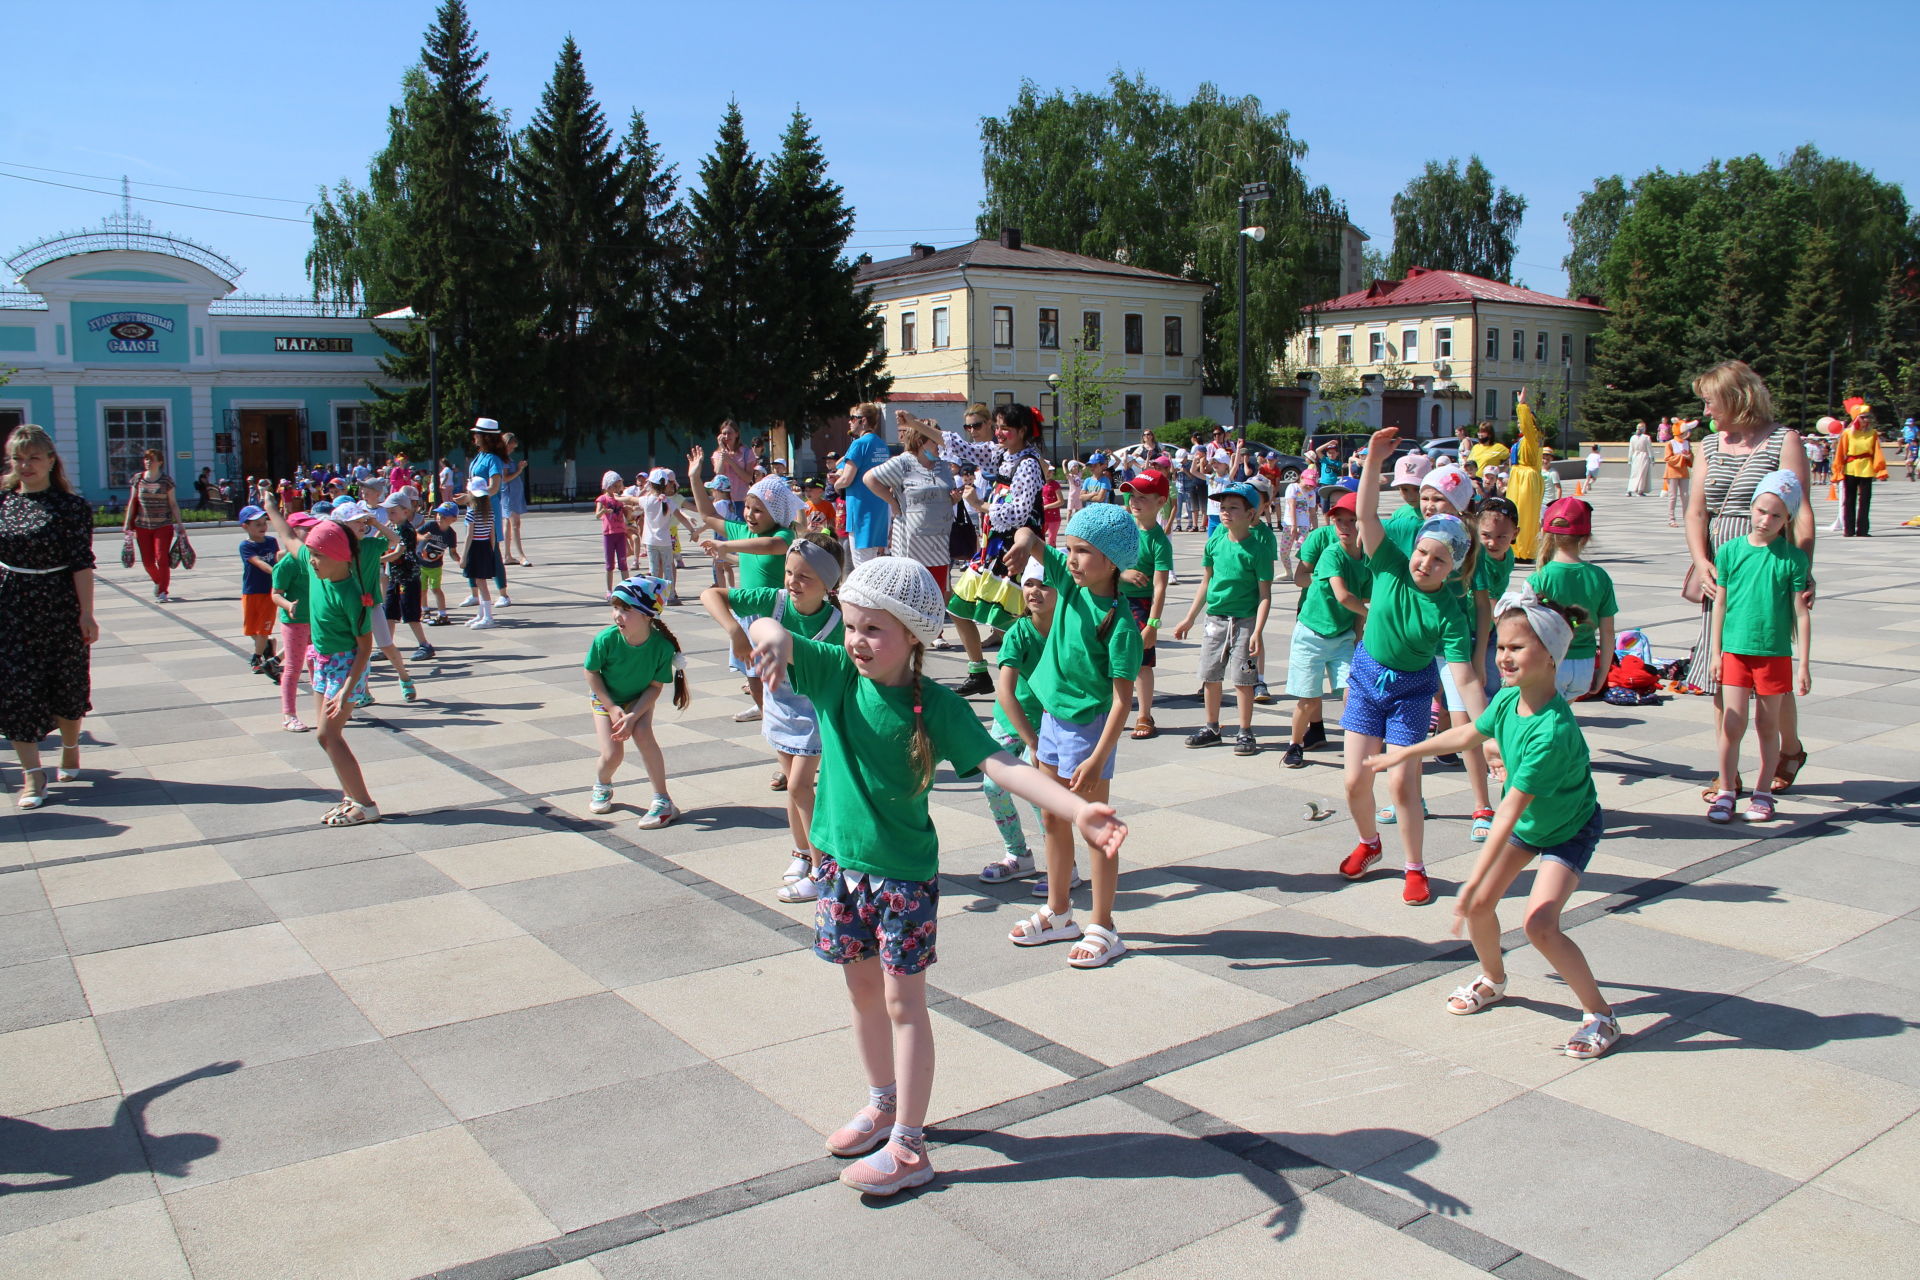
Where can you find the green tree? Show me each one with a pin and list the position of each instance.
(651, 367)
(1449, 220)
(434, 230)
(1812, 353)
(1375, 264)
(1132, 175)
(1087, 391)
(1634, 370)
(726, 241)
(565, 173)
(1340, 390)
(824, 351)
(1591, 228)
(1891, 371)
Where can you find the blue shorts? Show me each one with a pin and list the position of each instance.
(894, 920)
(1316, 661)
(1576, 676)
(1394, 706)
(1490, 678)
(1575, 852)
(788, 722)
(1063, 745)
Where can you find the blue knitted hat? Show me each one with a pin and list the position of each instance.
(1109, 530)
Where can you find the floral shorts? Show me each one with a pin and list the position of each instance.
(895, 920)
(330, 672)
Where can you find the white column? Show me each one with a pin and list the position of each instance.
(202, 402)
(66, 432)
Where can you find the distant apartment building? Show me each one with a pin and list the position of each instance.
(986, 322)
(1460, 347)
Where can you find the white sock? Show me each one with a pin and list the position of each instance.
(486, 611)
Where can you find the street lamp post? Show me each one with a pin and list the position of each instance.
(1053, 385)
(1566, 402)
(433, 409)
(1250, 193)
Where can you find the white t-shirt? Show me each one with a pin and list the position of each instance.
(656, 512)
(1301, 501)
(1593, 462)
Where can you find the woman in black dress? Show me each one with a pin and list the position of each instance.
(46, 609)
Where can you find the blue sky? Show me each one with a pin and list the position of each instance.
(275, 99)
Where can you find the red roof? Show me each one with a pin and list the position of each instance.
(1422, 287)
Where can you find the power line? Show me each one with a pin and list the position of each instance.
(164, 186)
(205, 208)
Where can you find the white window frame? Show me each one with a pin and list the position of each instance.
(1313, 350)
(1128, 320)
(1443, 343)
(1000, 308)
(1098, 326)
(1343, 348)
(1566, 347)
(1493, 403)
(1540, 348)
(1177, 403)
(1410, 346)
(1376, 346)
(1519, 344)
(942, 327)
(1039, 330)
(372, 448)
(1493, 342)
(1177, 325)
(909, 332)
(124, 476)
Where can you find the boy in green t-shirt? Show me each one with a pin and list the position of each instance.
(1760, 617)
(1016, 720)
(1335, 577)
(761, 542)
(1143, 585)
(1236, 589)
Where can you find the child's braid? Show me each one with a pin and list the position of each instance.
(921, 753)
(681, 694)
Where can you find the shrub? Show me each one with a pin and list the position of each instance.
(1180, 430)
(1289, 440)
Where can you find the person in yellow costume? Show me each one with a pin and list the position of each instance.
(1523, 480)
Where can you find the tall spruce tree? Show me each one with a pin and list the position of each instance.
(650, 367)
(1633, 375)
(726, 322)
(1887, 370)
(434, 230)
(1811, 354)
(823, 352)
(566, 181)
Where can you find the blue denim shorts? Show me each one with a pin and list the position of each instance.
(897, 921)
(788, 722)
(1393, 706)
(1064, 744)
(1575, 853)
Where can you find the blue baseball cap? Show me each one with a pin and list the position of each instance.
(321, 508)
(1097, 459)
(248, 514)
(446, 509)
(1245, 492)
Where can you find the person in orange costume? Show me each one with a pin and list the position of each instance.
(1859, 461)
(1523, 480)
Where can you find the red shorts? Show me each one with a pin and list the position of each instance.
(1765, 676)
(256, 615)
(938, 572)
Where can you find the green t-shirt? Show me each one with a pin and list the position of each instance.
(760, 570)
(1156, 556)
(760, 602)
(870, 812)
(1403, 527)
(1020, 649)
(1314, 543)
(1582, 584)
(1238, 570)
(341, 611)
(1320, 611)
(1491, 575)
(369, 564)
(1546, 757)
(290, 580)
(1761, 583)
(1407, 628)
(1075, 675)
(629, 670)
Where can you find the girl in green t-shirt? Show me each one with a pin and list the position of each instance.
(627, 666)
(883, 726)
(805, 606)
(1549, 809)
(760, 541)
(1084, 683)
(1566, 577)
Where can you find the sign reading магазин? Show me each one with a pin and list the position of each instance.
(331, 345)
(131, 332)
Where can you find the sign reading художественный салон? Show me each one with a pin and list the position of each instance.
(334, 345)
(131, 332)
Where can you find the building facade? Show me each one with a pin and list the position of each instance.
(986, 322)
(1464, 344)
(126, 339)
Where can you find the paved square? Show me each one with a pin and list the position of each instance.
(498, 1035)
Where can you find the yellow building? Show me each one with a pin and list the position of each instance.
(986, 322)
(1465, 344)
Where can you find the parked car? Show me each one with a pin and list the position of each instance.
(1290, 465)
(1351, 444)
(1442, 450)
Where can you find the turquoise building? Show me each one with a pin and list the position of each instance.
(122, 339)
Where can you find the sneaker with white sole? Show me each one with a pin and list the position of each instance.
(503, 601)
(870, 1127)
(481, 624)
(468, 603)
(658, 814)
(892, 1169)
(746, 717)
(602, 799)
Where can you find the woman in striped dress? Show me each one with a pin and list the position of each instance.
(1727, 466)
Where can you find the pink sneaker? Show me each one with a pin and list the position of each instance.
(890, 1170)
(863, 1133)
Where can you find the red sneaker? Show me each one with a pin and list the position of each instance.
(1418, 893)
(1364, 855)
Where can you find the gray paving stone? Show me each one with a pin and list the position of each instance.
(533, 1055)
(586, 897)
(1290, 955)
(1889, 955)
(253, 1025)
(279, 854)
(30, 936)
(40, 992)
(156, 917)
(1571, 1186)
(299, 1108)
(664, 944)
(591, 1156)
(449, 829)
(1647, 970)
(359, 884)
(77, 1160)
(1835, 1017)
(20, 890)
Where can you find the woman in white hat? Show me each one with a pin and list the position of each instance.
(490, 466)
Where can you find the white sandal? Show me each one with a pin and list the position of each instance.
(31, 799)
(351, 813)
(1595, 1036)
(1111, 948)
(1042, 927)
(1476, 995)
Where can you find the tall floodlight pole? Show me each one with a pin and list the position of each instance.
(1250, 193)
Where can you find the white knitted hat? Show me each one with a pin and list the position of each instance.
(781, 502)
(902, 588)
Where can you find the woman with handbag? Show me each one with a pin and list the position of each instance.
(1728, 465)
(46, 609)
(153, 519)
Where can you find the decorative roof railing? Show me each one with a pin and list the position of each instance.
(308, 308)
(124, 230)
(21, 300)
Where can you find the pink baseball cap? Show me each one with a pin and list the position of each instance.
(302, 520)
(1451, 483)
(1411, 469)
(330, 538)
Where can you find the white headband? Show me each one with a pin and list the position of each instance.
(1552, 627)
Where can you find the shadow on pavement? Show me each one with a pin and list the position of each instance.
(82, 1157)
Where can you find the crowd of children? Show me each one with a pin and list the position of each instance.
(1412, 619)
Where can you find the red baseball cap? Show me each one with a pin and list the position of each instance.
(1348, 502)
(1153, 483)
(329, 538)
(1570, 516)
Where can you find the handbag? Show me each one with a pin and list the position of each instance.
(126, 552)
(1692, 589)
(963, 536)
(182, 555)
